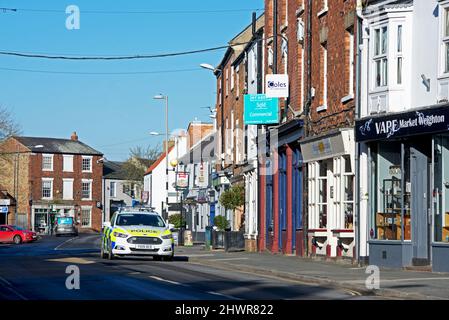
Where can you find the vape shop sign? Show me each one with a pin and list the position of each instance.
(276, 86)
(424, 121)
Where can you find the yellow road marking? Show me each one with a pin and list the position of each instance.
(72, 260)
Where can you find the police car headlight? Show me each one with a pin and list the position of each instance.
(120, 235)
(167, 236)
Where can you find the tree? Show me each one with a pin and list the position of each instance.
(233, 198)
(139, 160)
(8, 126)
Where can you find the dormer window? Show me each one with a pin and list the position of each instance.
(380, 58)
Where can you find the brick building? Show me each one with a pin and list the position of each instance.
(328, 148)
(307, 178)
(232, 85)
(51, 176)
(281, 176)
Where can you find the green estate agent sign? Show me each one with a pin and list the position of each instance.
(258, 109)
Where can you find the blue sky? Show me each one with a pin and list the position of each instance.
(113, 112)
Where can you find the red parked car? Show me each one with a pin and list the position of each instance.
(16, 234)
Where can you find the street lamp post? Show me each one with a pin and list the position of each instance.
(162, 97)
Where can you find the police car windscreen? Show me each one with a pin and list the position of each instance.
(140, 220)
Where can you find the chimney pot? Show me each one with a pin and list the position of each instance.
(74, 137)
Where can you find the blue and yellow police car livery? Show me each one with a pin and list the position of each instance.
(137, 232)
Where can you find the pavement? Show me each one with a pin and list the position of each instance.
(393, 283)
(38, 271)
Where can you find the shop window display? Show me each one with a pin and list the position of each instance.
(441, 188)
(387, 201)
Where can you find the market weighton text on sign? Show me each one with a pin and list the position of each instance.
(259, 109)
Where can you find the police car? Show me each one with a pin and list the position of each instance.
(139, 232)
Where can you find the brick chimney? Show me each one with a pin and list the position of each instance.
(74, 137)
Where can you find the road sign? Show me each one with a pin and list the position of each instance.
(259, 109)
(4, 209)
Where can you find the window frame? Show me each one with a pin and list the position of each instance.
(50, 156)
(48, 180)
(380, 55)
(444, 40)
(90, 158)
(64, 157)
(64, 180)
(113, 194)
(400, 54)
(89, 182)
(89, 209)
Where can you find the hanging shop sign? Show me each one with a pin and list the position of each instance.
(276, 85)
(182, 180)
(145, 197)
(405, 124)
(202, 196)
(260, 109)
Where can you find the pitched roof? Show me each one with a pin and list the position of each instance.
(158, 161)
(113, 170)
(53, 145)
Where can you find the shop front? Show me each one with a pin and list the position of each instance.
(43, 216)
(330, 183)
(280, 225)
(408, 174)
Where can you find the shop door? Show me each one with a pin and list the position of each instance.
(419, 206)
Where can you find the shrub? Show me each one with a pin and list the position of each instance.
(175, 219)
(221, 223)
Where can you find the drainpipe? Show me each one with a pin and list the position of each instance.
(306, 124)
(275, 36)
(357, 116)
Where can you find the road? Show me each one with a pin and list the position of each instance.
(37, 271)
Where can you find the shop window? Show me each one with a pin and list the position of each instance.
(348, 194)
(322, 203)
(387, 200)
(441, 188)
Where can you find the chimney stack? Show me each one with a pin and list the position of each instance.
(74, 137)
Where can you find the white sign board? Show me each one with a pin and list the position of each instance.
(276, 86)
(5, 202)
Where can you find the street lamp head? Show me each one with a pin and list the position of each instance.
(208, 66)
(159, 97)
(174, 163)
(154, 133)
(39, 146)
